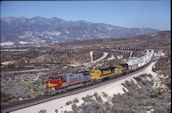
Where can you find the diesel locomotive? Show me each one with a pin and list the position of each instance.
(64, 82)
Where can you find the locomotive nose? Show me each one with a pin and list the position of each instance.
(50, 85)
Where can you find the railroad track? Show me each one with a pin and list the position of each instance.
(24, 72)
(42, 99)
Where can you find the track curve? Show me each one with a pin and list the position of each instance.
(42, 99)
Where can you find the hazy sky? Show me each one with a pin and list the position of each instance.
(125, 13)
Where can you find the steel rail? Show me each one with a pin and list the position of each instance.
(42, 99)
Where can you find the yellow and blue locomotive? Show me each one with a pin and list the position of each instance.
(99, 74)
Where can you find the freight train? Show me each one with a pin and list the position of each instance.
(64, 82)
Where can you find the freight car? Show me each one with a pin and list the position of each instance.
(64, 82)
(136, 63)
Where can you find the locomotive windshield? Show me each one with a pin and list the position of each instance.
(52, 78)
(55, 78)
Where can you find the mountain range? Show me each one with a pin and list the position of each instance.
(39, 30)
